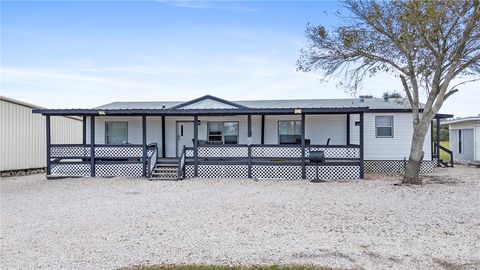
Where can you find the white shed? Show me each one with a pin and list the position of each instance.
(464, 134)
(22, 135)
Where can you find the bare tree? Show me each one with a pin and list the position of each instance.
(426, 44)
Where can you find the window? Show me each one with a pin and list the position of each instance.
(384, 126)
(223, 132)
(116, 132)
(459, 141)
(289, 132)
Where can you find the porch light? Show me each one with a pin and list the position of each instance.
(101, 113)
(298, 111)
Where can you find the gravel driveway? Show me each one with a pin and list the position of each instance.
(116, 222)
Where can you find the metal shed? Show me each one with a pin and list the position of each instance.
(22, 135)
(464, 134)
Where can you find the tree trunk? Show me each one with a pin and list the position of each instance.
(412, 170)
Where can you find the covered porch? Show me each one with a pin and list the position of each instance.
(253, 157)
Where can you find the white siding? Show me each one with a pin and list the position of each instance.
(396, 148)
(318, 129)
(171, 133)
(23, 136)
(464, 125)
(154, 128)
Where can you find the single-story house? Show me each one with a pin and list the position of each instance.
(464, 137)
(22, 136)
(213, 137)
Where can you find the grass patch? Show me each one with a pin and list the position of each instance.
(223, 267)
(444, 155)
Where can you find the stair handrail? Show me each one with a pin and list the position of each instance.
(181, 165)
(448, 152)
(153, 157)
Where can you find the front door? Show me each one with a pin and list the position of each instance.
(184, 136)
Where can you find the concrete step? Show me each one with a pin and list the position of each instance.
(164, 176)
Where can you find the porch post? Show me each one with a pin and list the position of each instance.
(144, 144)
(432, 142)
(348, 129)
(304, 174)
(48, 136)
(163, 136)
(195, 145)
(84, 130)
(362, 167)
(249, 134)
(92, 146)
(438, 141)
(262, 140)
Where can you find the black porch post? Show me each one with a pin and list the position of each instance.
(49, 166)
(163, 136)
(262, 140)
(304, 172)
(84, 130)
(362, 167)
(438, 141)
(144, 144)
(195, 145)
(348, 129)
(249, 135)
(432, 142)
(92, 146)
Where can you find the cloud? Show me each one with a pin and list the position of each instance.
(226, 6)
(42, 77)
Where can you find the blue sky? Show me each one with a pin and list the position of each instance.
(83, 54)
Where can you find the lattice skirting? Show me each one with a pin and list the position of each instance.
(80, 169)
(101, 170)
(333, 172)
(396, 166)
(273, 172)
(111, 170)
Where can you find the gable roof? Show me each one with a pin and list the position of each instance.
(218, 103)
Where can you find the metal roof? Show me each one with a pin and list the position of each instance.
(372, 103)
(463, 119)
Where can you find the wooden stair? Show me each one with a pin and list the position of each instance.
(165, 169)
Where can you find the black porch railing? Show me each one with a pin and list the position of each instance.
(108, 160)
(263, 161)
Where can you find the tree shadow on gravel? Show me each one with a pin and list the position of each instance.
(458, 266)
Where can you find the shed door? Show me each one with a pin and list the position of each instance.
(468, 144)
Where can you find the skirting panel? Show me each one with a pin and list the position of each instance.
(396, 166)
(68, 169)
(110, 170)
(333, 172)
(276, 172)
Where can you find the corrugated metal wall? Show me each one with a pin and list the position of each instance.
(22, 136)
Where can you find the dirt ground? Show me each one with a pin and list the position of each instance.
(356, 224)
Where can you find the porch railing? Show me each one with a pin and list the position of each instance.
(152, 157)
(181, 165)
(273, 152)
(275, 161)
(108, 160)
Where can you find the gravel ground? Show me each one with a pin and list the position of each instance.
(117, 222)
